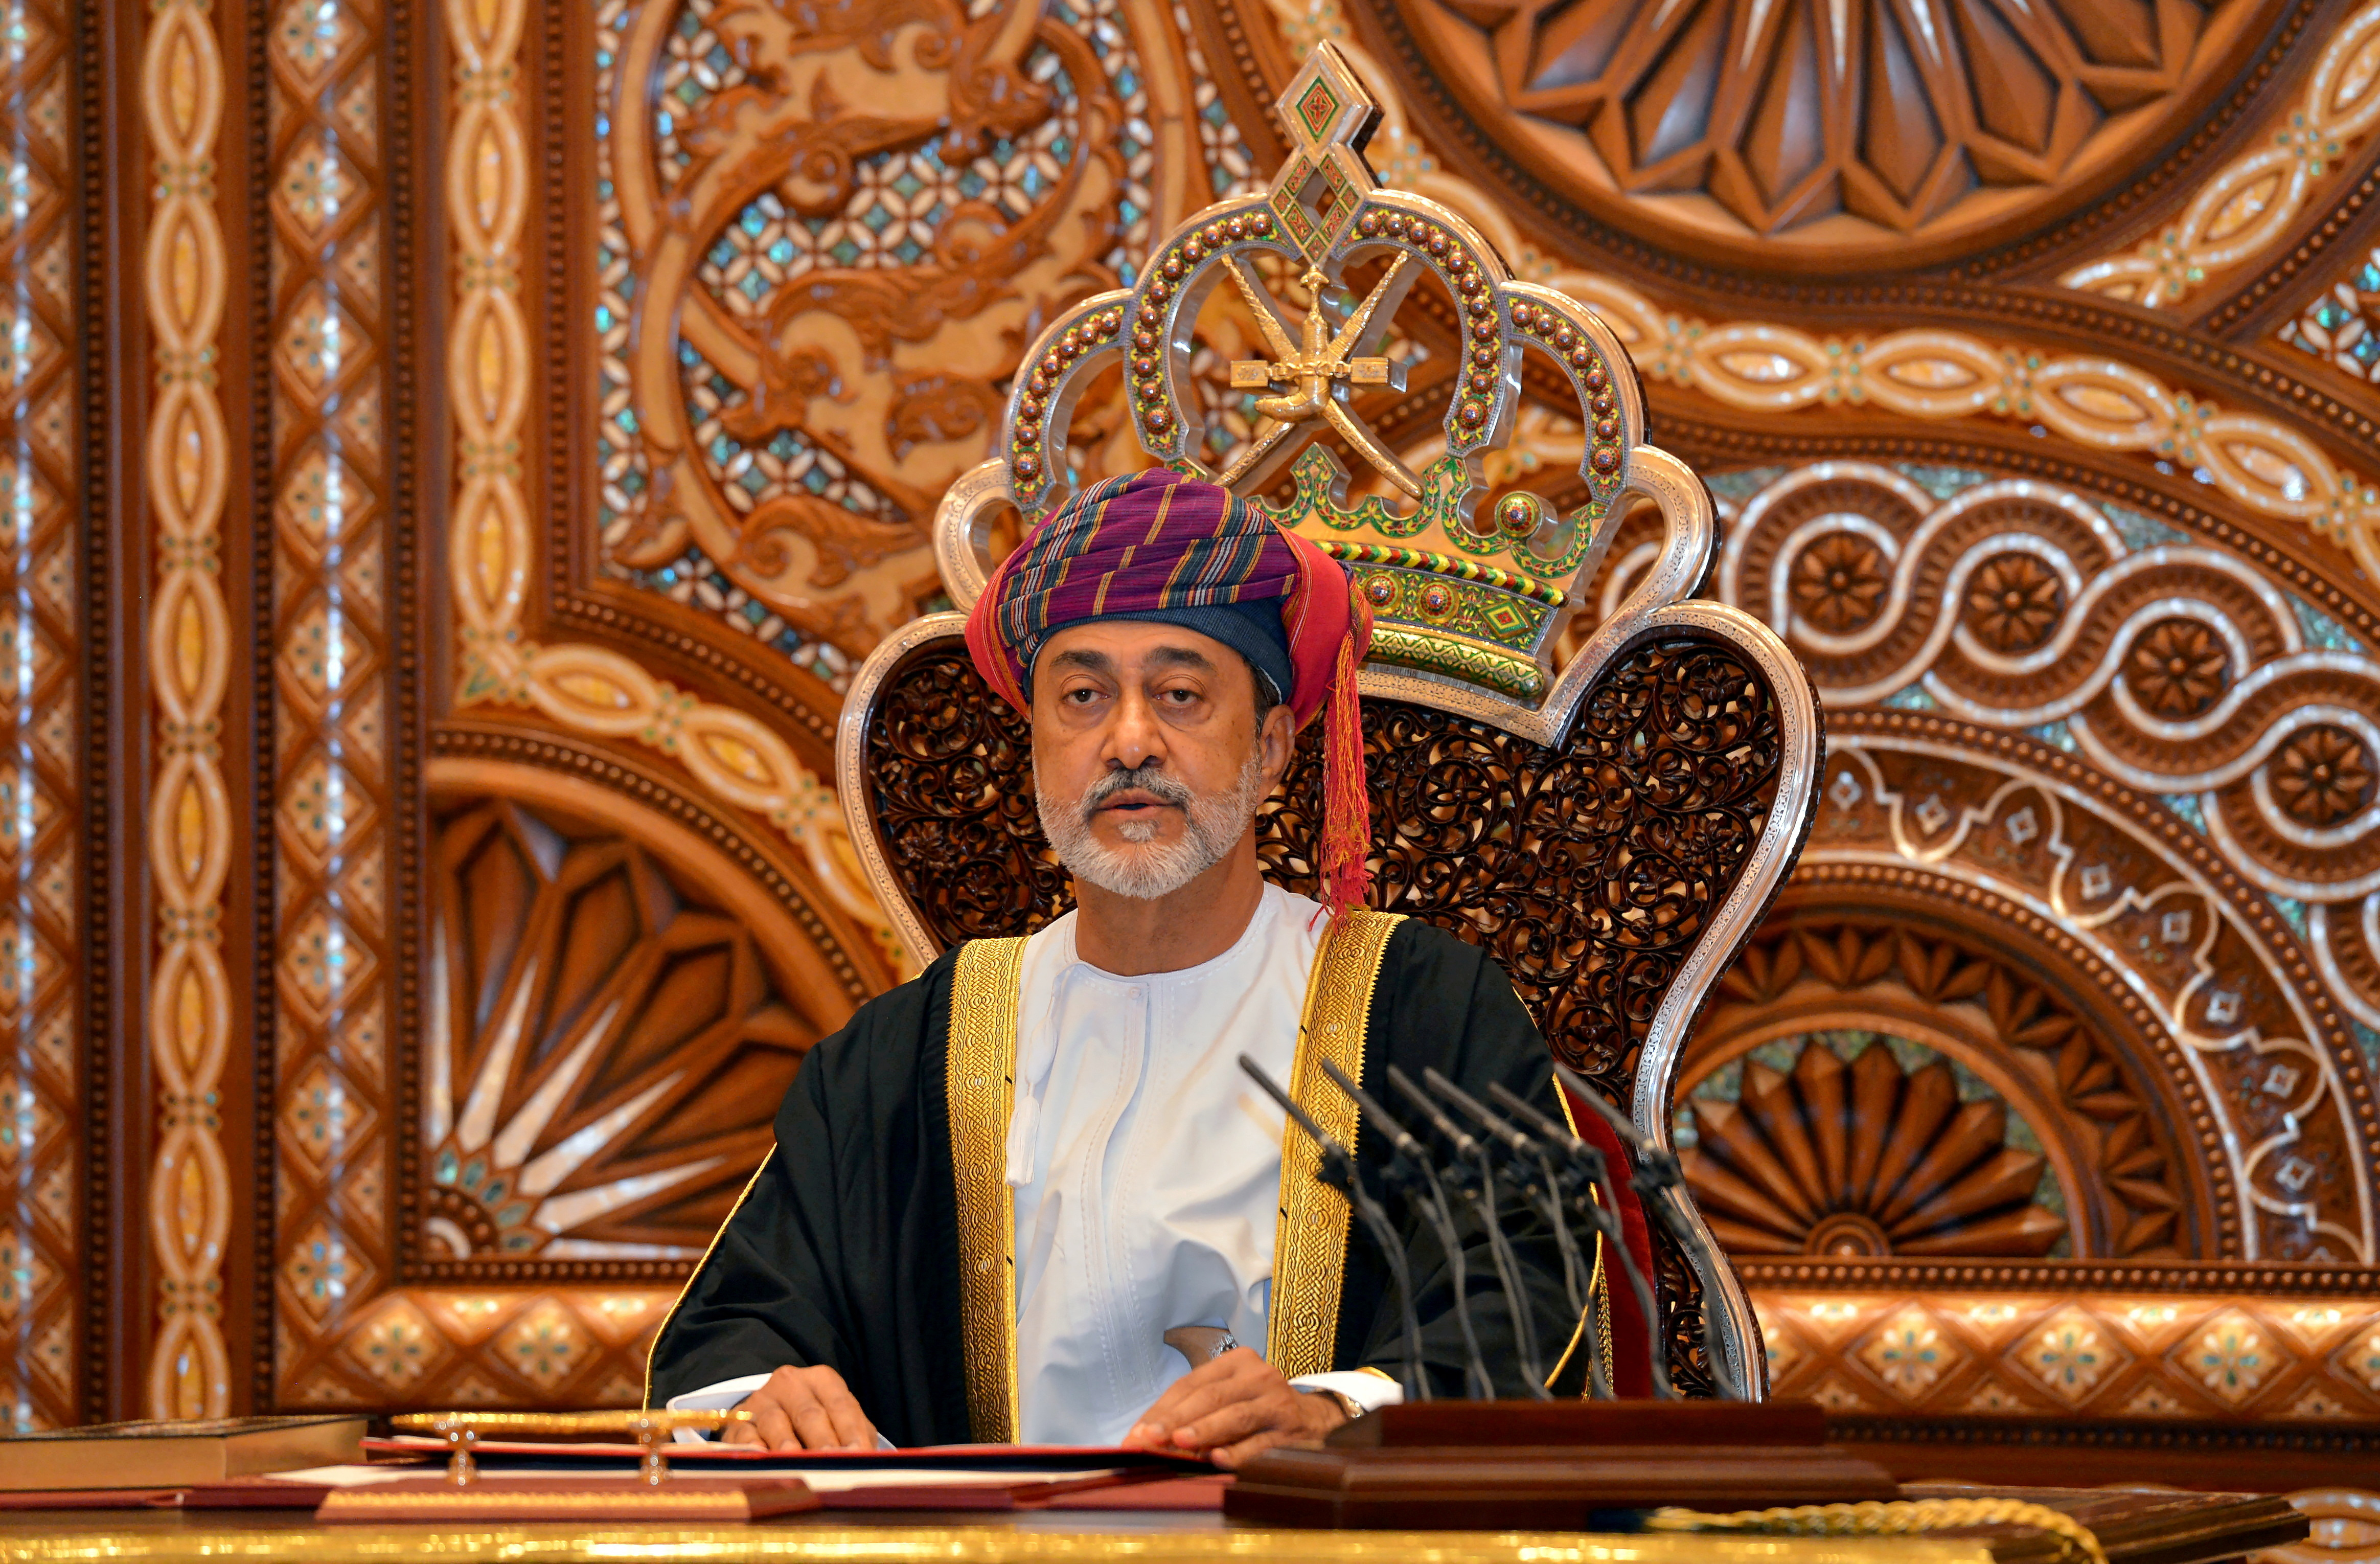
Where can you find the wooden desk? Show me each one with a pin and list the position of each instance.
(2135, 1527)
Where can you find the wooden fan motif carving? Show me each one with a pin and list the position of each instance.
(1865, 1157)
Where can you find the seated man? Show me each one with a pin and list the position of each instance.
(884, 1273)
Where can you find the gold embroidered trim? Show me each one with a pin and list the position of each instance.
(980, 1078)
(679, 1302)
(1309, 1263)
(1598, 1285)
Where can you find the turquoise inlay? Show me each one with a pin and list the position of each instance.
(2139, 531)
(2321, 632)
(2186, 805)
(1743, 485)
(1942, 483)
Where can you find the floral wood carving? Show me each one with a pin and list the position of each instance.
(607, 1054)
(1863, 1157)
(1589, 873)
(832, 230)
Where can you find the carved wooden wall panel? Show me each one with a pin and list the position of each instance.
(1879, 135)
(338, 819)
(189, 810)
(43, 1289)
(530, 413)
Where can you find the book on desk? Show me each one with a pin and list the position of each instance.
(173, 1455)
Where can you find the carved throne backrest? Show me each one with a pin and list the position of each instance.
(1610, 829)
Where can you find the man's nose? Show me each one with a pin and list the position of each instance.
(1136, 738)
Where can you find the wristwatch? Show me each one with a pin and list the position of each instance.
(1348, 1404)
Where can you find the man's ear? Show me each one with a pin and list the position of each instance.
(1276, 737)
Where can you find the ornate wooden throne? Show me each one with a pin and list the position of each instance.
(1611, 828)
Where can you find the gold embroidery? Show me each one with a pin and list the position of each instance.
(1598, 1285)
(1310, 1243)
(679, 1302)
(981, 1081)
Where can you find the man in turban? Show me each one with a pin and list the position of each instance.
(1031, 1195)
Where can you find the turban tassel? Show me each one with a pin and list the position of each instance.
(1346, 848)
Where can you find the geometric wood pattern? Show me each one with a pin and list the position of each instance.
(189, 1010)
(1845, 131)
(337, 817)
(609, 1054)
(41, 1276)
(1876, 1158)
(2138, 315)
(2036, 1348)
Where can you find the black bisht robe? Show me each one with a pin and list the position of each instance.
(844, 1252)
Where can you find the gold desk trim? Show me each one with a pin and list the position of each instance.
(987, 1543)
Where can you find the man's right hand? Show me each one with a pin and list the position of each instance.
(803, 1408)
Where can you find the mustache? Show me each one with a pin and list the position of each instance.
(1143, 779)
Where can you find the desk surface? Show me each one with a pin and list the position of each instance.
(1143, 1536)
(2138, 1528)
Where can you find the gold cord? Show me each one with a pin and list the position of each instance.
(1883, 1518)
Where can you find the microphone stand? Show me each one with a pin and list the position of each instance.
(1339, 1172)
(1657, 1180)
(1590, 1171)
(1481, 1191)
(1536, 1179)
(1412, 1170)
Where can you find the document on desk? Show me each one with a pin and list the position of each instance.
(935, 1477)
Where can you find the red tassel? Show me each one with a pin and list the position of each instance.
(1346, 796)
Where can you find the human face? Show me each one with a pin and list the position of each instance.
(1148, 762)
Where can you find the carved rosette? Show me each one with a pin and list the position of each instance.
(1850, 132)
(2176, 667)
(1865, 1155)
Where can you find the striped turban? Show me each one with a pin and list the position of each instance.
(1157, 545)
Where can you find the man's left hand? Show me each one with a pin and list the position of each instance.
(1232, 1408)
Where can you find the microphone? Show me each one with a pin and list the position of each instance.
(1590, 1171)
(1539, 1180)
(1657, 1180)
(1411, 1170)
(1481, 1189)
(1338, 1171)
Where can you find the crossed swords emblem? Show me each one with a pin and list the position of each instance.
(1328, 116)
(1320, 370)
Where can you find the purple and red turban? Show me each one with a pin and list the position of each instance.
(1158, 545)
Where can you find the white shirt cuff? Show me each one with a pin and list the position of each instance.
(713, 1397)
(730, 1393)
(1368, 1390)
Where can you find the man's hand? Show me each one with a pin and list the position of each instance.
(803, 1408)
(1231, 1409)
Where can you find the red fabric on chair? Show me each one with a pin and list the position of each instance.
(1632, 1333)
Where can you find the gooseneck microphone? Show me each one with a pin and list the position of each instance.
(1476, 1180)
(1533, 1167)
(1339, 1172)
(1656, 1181)
(1412, 1170)
(1590, 1173)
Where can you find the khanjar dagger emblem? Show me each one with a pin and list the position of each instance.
(1475, 598)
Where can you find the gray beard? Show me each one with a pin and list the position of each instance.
(1214, 823)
